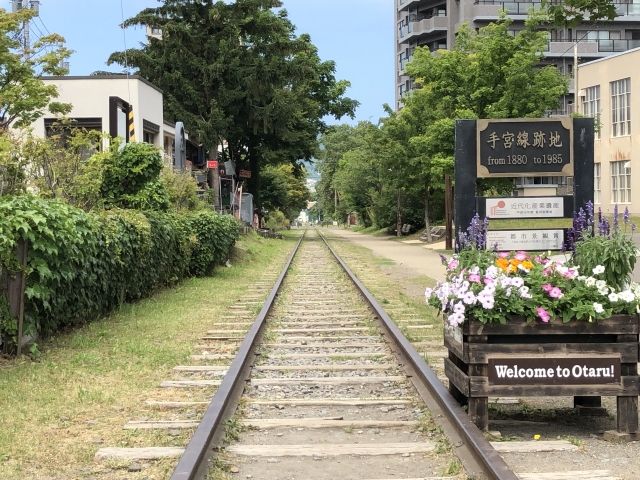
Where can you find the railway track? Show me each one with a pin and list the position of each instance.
(321, 384)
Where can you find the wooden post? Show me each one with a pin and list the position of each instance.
(448, 212)
(16, 287)
(479, 406)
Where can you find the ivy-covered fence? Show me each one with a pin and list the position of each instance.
(82, 265)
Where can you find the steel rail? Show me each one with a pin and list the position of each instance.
(193, 459)
(483, 452)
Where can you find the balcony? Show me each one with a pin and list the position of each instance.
(589, 48)
(627, 9)
(404, 4)
(489, 9)
(439, 22)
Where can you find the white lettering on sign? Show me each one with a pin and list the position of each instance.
(541, 240)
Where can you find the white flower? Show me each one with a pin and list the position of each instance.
(488, 304)
(522, 267)
(517, 282)
(613, 297)
(428, 292)
(458, 308)
(603, 291)
(489, 288)
(590, 281)
(582, 278)
(524, 292)
(469, 298)
(491, 272)
(598, 307)
(456, 319)
(627, 296)
(601, 284)
(598, 269)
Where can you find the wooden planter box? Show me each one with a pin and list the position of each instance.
(580, 359)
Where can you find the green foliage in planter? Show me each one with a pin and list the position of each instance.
(81, 265)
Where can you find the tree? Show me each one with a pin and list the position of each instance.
(237, 75)
(285, 189)
(24, 97)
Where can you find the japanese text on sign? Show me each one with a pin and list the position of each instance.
(521, 147)
(507, 240)
(525, 207)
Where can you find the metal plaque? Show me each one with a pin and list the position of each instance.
(536, 240)
(519, 147)
(554, 371)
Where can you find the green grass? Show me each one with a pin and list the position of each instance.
(104, 371)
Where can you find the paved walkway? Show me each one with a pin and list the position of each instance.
(412, 256)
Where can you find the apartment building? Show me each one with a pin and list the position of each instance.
(609, 91)
(434, 23)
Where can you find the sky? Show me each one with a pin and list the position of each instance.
(356, 34)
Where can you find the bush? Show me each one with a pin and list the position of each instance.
(82, 265)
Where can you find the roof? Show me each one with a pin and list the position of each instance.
(610, 56)
(103, 77)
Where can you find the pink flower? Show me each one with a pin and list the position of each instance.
(488, 281)
(547, 287)
(521, 256)
(503, 254)
(453, 264)
(544, 315)
(547, 271)
(474, 278)
(555, 293)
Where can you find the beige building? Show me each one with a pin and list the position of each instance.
(103, 103)
(609, 91)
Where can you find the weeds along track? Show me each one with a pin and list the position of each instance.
(317, 383)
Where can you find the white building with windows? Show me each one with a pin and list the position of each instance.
(103, 103)
(609, 91)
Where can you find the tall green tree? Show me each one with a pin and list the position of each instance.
(237, 75)
(284, 188)
(24, 97)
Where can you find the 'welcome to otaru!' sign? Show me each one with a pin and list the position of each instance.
(513, 147)
(554, 371)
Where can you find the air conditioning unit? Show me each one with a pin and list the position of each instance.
(16, 5)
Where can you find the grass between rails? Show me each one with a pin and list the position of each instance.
(90, 382)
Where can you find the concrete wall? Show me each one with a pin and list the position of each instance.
(610, 149)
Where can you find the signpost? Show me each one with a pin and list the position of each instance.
(245, 174)
(212, 164)
(522, 147)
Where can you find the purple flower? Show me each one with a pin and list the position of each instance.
(625, 216)
(543, 314)
(443, 259)
(615, 217)
(590, 213)
(555, 292)
(633, 226)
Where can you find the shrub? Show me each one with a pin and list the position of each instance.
(81, 265)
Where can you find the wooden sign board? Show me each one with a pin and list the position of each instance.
(519, 147)
(554, 371)
(245, 174)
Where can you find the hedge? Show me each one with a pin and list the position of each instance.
(82, 265)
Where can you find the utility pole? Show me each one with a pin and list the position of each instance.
(33, 5)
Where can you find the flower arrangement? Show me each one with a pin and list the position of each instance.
(490, 286)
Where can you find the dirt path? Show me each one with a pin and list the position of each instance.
(412, 257)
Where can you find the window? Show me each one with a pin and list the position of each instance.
(597, 178)
(148, 137)
(621, 182)
(591, 107)
(156, 31)
(621, 107)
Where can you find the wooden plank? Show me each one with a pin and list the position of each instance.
(479, 387)
(479, 405)
(330, 355)
(178, 425)
(325, 345)
(456, 377)
(331, 450)
(322, 317)
(201, 368)
(616, 324)
(334, 338)
(222, 339)
(148, 453)
(515, 423)
(320, 324)
(153, 403)
(417, 327)
(455, 347)
(267, 423)
(337, 367)
(480, 352)
(190, 383)
(223, 332)
(326, 380)
(533, 447)
(351, 402)
(286, 331)
(581, 474)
